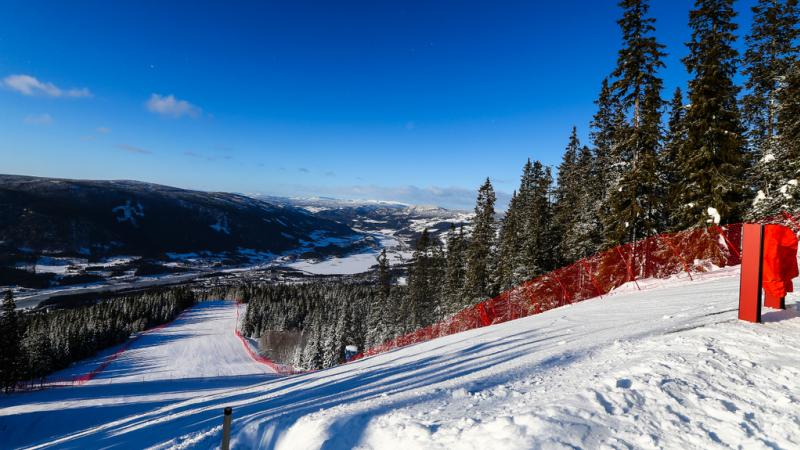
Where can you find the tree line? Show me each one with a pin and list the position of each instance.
(37, 343)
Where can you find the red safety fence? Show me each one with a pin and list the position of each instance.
(660, 256)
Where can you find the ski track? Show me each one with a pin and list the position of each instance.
(665, 367)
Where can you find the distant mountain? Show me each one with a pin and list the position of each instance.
(400, 220)
(97, 218)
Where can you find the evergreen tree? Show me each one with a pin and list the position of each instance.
(583, 237)
(713, 161)
(674, 142)
(771, 51)
(455, 272)
(607, 124)
(384, 274)
(420, 287)
(377, 315)
(509, 248)
(481, 245)
(10, 336)
(785, 195)
(539, 243)
(567, 193)
(633, 198)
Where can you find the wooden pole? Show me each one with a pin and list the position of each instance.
(226, 428)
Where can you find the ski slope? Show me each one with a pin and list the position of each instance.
(667, 366)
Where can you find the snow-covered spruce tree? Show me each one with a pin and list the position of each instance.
(539, 243)
(606, 124)
(633, 199)
(771, 51)
(674, 142)
(376, 320)
(481, 245)
(786, 194)
(384, 274)
(567, 194)
(425, 279)
(10, 336)
(455, 270)
(713, 161)
(583, 237)
(509, 248)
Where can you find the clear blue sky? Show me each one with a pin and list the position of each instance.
(416, 101)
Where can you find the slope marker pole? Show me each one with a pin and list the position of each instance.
(226, 428)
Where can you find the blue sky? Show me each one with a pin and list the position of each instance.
(416, 101)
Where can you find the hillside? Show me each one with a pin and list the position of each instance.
(667, 366)
(61, 236)
(78, 217)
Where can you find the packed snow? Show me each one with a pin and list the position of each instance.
(667, 366)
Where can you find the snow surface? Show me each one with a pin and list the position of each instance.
(669, 366)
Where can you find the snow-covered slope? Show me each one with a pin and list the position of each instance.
(669, 366)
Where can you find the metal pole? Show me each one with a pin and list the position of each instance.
(226, 429)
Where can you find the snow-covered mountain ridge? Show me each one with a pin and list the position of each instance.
(669, 366)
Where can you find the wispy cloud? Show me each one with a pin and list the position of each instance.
(303, 169)
(133, 149)
(169, 106)
(103, 130)
(29, 85)
(38, 119)
(330, 174)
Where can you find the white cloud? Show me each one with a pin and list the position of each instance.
(103, 130)
(170, 106)
(28, 85)
(39, 119)
(132, 149)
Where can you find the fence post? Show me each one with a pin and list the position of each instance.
(226, 429)
(750, 284)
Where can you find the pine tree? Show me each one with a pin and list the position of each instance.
(10, 337)
(566, 198)
(509, 248)
(538, 241)
(771, 51)
(713, 161)
(607, 124)
(633, 200)
(785, 195)
(583, 237)
(455, 276)
(384, 274)
(420, 289)
(481, 245)
(674, 142)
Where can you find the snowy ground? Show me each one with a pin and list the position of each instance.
(669, 366)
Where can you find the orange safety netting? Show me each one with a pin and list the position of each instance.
(659, 256)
